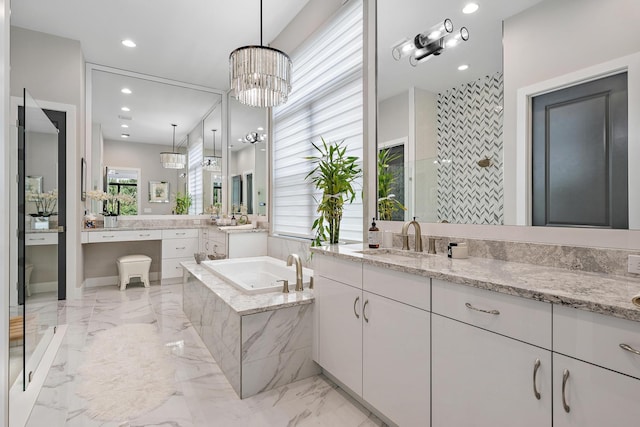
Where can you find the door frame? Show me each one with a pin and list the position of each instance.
(629, 64)
(73, 253)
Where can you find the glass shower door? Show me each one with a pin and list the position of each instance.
(37, 233)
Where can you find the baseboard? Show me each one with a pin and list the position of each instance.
(93, 282)
(40, 287)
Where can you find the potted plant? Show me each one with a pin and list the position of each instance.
(334, 174)
(183, 202)
(387, 202)
(110, 205)
(45, 207)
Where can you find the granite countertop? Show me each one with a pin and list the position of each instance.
(242, 303)
(146, 227)
(597, 292)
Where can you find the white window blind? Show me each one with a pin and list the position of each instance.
(326, 101)
(195, 157)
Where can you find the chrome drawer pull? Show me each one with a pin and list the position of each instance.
(536, 366)
(180, 234)
(144, 235)
(33, 240)
(364, 313)
(630, 349)
(108, 237)
(565, 378)
(494, 312)
(354, 307)
(181, 249)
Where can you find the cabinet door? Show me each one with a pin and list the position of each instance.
(396, 360)
(595, 396)
(340, 331)
(480, 378)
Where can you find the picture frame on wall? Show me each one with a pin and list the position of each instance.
(158, 192)
(33, 184)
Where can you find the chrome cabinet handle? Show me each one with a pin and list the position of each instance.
(364, 313)
(180, 234)
(107, 237)
(31, 239)
(182, 248)
(536, 366)
(354, 307)
(494, 312)
(565, 378)
(630, 349)
(144, 235)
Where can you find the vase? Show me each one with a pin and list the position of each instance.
(111, 221)
(40, 223)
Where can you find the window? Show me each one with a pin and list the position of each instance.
(195, 188)
(326, 101)
(124, 181)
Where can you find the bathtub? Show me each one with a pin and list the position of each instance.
(257, 275)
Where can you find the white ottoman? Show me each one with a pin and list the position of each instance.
(133, 266)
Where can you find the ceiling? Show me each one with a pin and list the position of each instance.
(188, 44)
(400, 19)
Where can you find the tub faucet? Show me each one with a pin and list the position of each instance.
(417, 233)
(290, 260)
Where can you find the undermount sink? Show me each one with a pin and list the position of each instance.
(397, 254)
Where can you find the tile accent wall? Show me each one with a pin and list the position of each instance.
(469, 122)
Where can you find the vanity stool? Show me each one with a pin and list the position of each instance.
(133, 266)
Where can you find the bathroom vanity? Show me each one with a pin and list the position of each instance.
(426, 340)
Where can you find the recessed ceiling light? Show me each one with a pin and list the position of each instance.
(129, 43)
(470, 8)
(260, 128)
(231, 146)
(126, 109)
(126, 90)
(125, 135)
(463, 67)
(240, 139)
(124, 126)
(263, 149)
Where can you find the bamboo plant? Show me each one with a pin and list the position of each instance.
(334, 173)
(387, 202)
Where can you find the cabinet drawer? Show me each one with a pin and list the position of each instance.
(181, 233)
(596, 338)
(123, 236)
(179, 248)
(349, 272)
(36, 239)
(407, 288)
(515, 317)
(171, 268)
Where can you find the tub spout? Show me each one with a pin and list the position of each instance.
(290, 260)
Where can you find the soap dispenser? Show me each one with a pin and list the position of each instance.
(374, 235)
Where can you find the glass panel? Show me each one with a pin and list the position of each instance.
(38, 227)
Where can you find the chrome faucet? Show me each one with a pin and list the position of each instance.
(417, 234)
(290, 260)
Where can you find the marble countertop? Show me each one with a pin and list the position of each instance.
(149, 227)
(242, 303)
(597, 292)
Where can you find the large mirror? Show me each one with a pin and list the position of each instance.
(453, 129)
(132, 117)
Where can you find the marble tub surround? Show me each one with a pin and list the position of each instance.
(597, 292)
(594, 260)
(260, 341)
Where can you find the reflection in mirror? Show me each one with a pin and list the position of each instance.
(130, 130)
(248, 158)
(124, 181)
(213, 174)
(460, 112)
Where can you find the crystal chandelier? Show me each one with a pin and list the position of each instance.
(260, 76)
(213, 163)
(173, 160)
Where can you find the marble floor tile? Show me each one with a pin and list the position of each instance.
(203, 395)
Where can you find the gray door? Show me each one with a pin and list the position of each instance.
(580, 155)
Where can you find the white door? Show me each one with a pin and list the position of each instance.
(340, 331)
(396, 360)
(593, 396)
(481, 379)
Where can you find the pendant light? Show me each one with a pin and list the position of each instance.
(213, 163)
(173, 160)
(260, 75)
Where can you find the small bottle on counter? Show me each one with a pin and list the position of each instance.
(233, 219)
(374, 235)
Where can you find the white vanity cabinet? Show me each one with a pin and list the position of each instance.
(178, 245)
(213, 240)
(372, 340)
(480, 377)
(596, 381)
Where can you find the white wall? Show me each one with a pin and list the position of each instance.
(393, 117)
(557, 37)
(426, 128)
(146, 157)
(4, 211)
(52, 69)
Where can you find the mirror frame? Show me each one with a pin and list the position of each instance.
(90, 67)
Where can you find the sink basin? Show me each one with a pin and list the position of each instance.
(395, 254)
